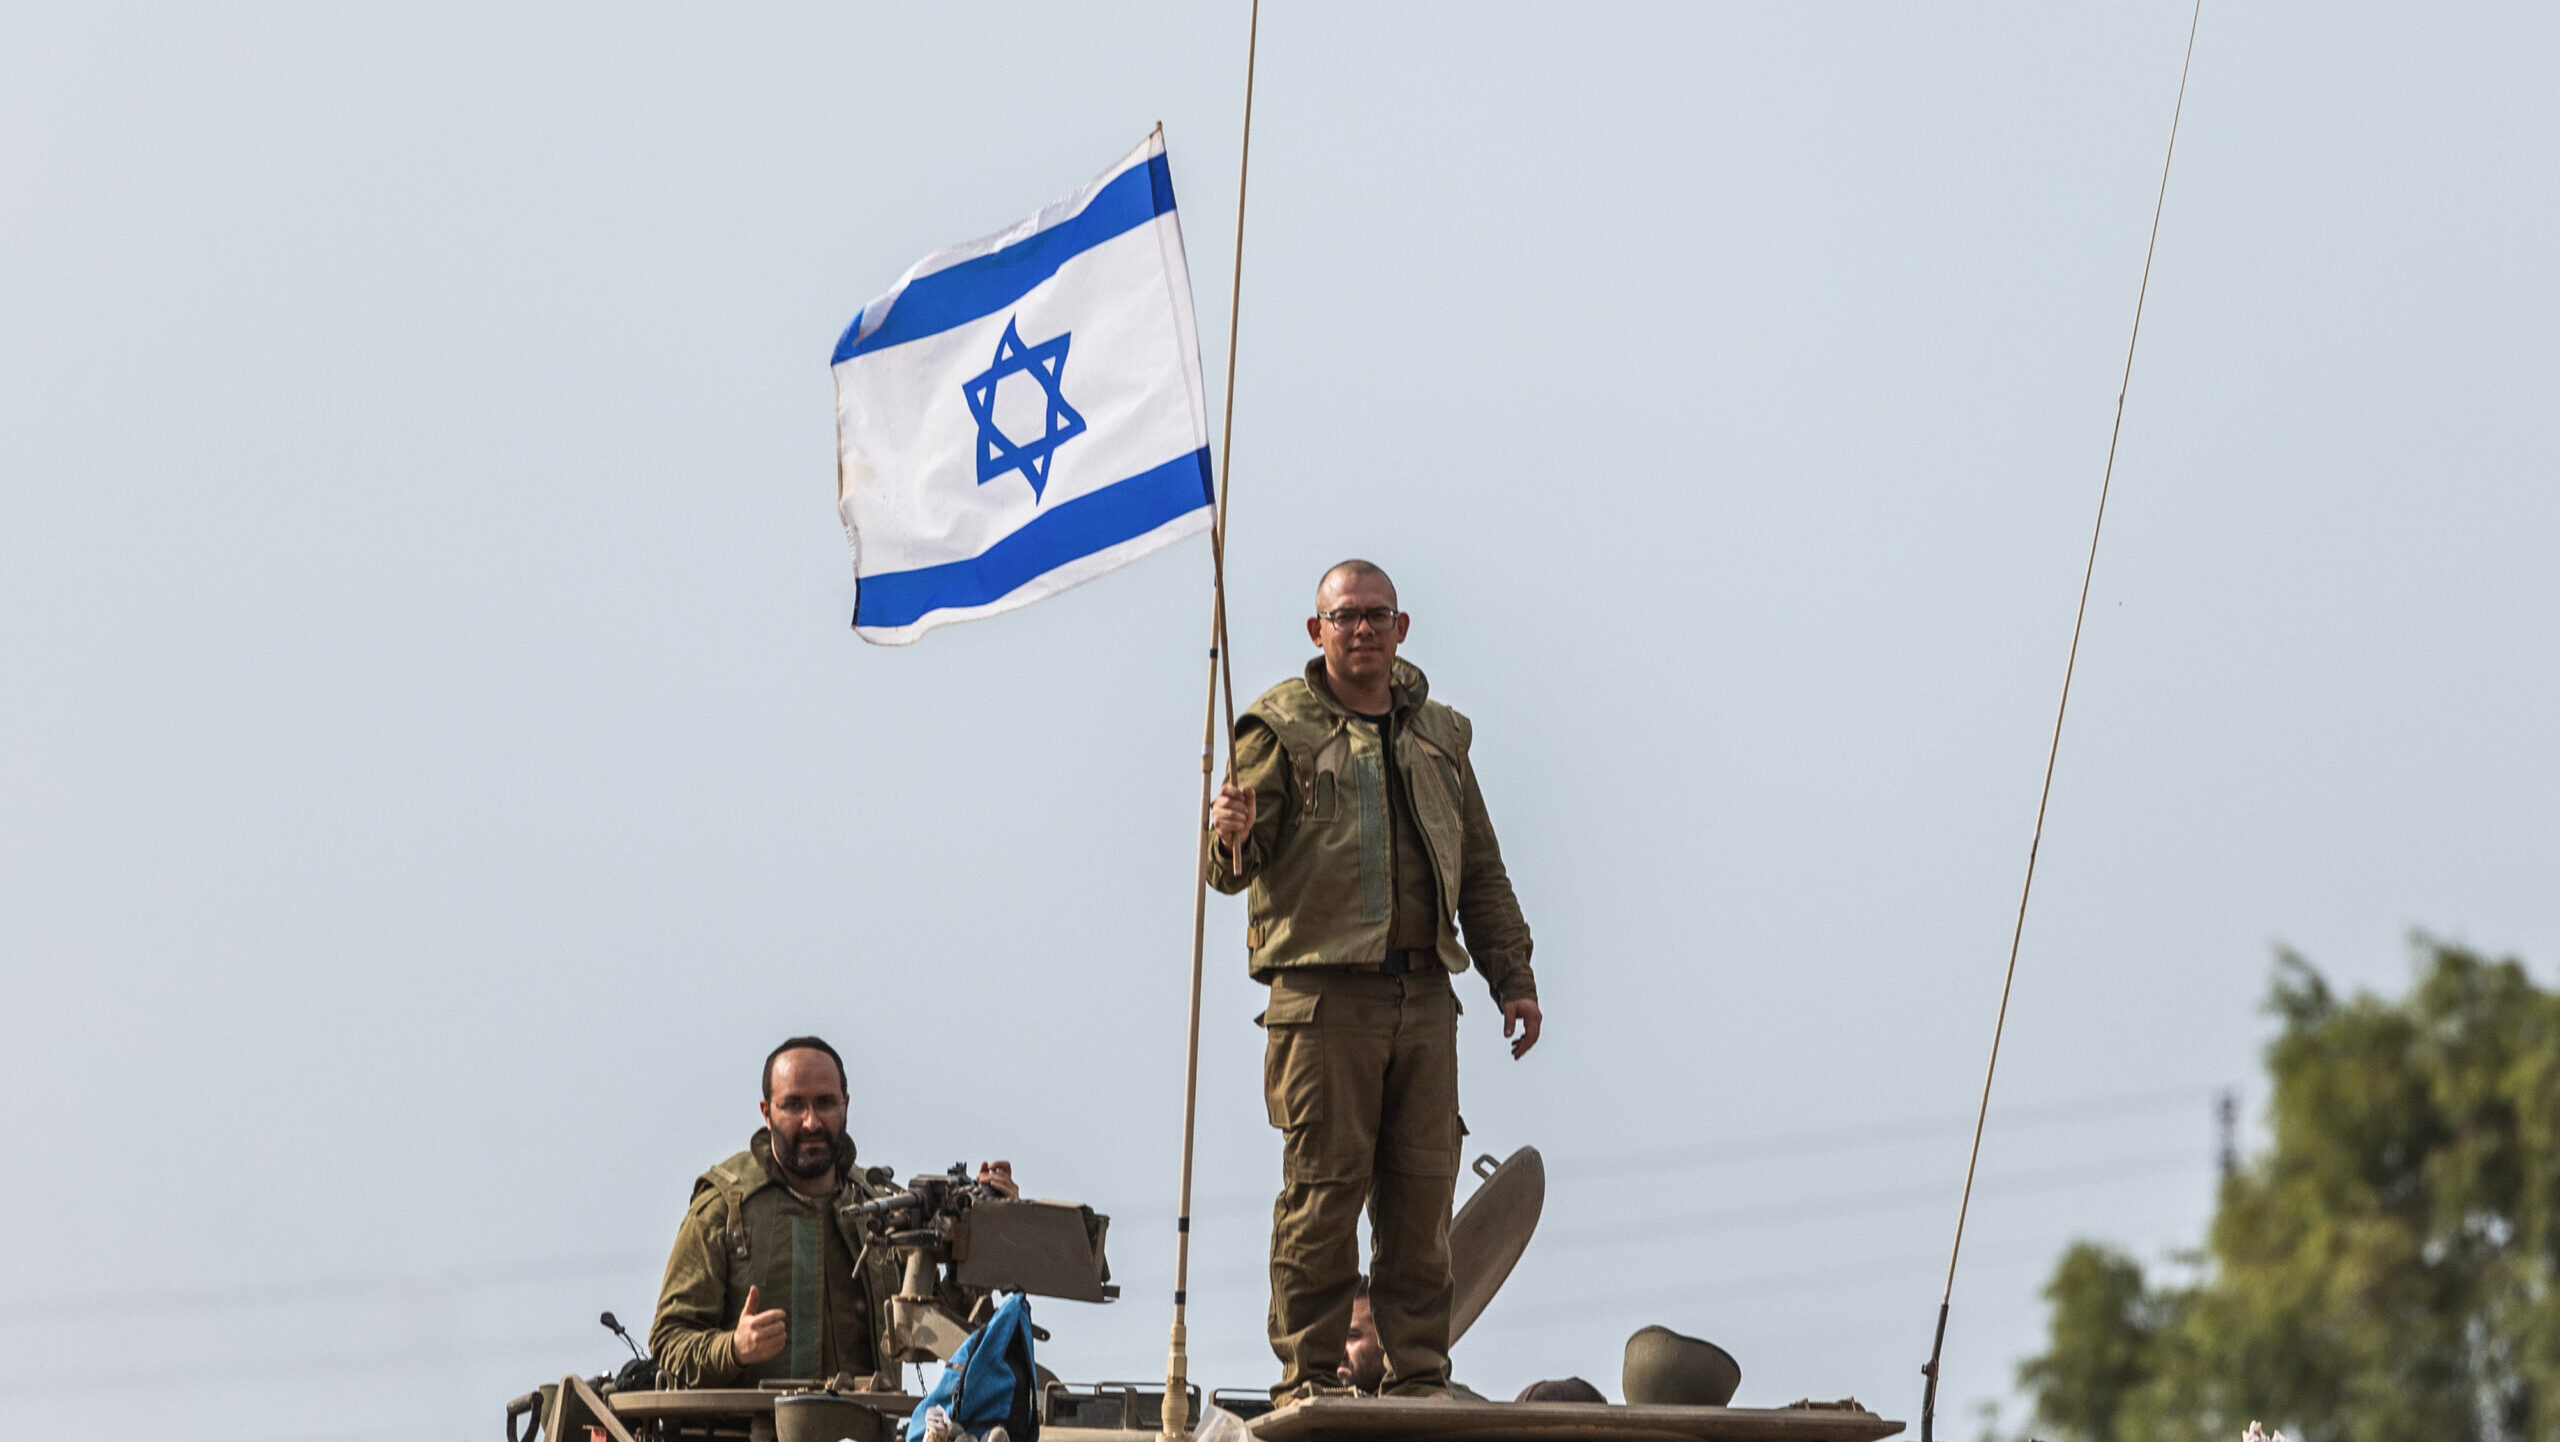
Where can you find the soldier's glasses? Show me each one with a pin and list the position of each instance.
(1348, 618)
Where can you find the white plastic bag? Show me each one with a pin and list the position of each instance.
(1217, 1424)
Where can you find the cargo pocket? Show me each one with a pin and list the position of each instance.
(1292, 1060)
(1315, 786)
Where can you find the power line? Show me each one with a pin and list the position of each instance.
(1839, 1140)
(1819, 1141)
(2033, 1183)
(155, 1377)
(1646, 1232)
(1867, 1136)
(323, 1288)
(1583, 1307)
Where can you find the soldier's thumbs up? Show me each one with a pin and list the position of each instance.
(759, 1335)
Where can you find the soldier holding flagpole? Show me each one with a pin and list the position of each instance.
(1354, 823)
(1021, 414)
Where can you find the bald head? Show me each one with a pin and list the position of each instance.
(1358, 626)
(1346, 572)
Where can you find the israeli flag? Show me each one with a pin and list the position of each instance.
(1023, 413)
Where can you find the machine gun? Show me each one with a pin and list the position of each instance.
(951, 1226)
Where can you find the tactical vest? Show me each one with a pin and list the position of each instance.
(1325, 896)
(782, 1253)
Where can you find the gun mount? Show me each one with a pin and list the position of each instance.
(950, 1226)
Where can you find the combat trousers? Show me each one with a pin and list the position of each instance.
(1361, 1074)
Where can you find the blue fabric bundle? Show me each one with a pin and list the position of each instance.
(990, 1382)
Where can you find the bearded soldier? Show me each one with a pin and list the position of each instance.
(769, 1277)
(1355, 826)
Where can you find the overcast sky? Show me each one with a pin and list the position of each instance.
(434, 763)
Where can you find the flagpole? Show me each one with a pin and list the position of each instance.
(1177, 1397)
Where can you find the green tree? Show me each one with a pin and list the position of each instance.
(2106, 1331)
(2385, 1271)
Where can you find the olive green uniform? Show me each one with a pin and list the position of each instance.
(1367, 854)
(747, 1227)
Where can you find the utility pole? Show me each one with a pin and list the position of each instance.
(2226, 1109)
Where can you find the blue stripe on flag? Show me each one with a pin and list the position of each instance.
(988, 283)
(1122, 511)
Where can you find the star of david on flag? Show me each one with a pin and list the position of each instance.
(997, 453)
(1023, 413)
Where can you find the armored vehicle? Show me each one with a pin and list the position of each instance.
(950, 1229)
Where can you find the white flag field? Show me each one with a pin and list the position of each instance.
(1023, 413)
